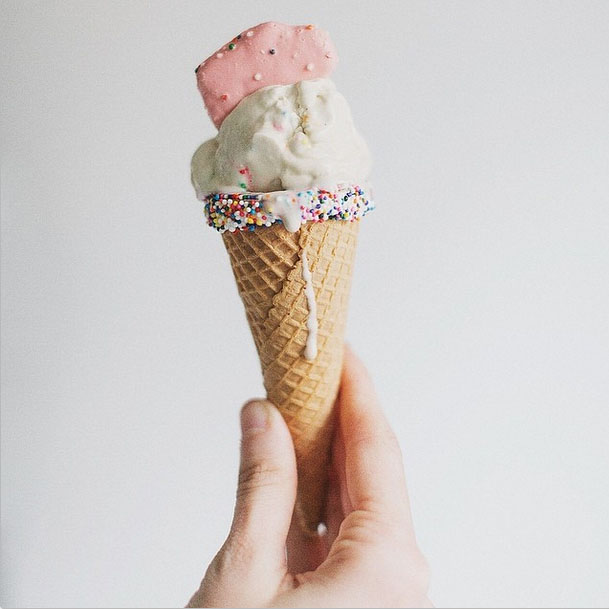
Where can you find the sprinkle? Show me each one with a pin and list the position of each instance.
(250, 34)
(197, 68)
(239, 37)
(219, 55)
(310, 67)
(257, 76)
(272, 51)
(248, 210)
(231, 46)
(309, 27)
(224, 96)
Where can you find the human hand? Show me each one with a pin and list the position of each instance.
(368, 556)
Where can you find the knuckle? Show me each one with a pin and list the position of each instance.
(368, 526)
(388, 518)
(234, 557)
(256, 475)
(239, 553)
(222, 563)
(228, 567)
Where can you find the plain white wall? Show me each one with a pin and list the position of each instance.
(483, 313)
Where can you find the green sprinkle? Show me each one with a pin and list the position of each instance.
(231, 46)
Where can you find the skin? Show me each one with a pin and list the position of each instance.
(369, 556)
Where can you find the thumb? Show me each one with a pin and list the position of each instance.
(266, 490)
(249, 568)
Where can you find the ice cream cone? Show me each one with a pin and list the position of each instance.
(267, 264)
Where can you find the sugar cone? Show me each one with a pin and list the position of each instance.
(268, 268)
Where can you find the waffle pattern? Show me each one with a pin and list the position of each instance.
(268, 269)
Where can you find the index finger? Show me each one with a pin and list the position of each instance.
(373, 460)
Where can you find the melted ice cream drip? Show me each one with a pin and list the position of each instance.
(285, 206)
(310, 351)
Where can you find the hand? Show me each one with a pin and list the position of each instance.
(368, 556)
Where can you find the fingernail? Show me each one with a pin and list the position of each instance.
(254, 415)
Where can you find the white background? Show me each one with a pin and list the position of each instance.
(480, 299)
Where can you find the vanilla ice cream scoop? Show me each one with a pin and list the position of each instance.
(284, 137)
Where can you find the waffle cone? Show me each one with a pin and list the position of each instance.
(268, 269)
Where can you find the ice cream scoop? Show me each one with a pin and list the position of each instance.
(284, 137)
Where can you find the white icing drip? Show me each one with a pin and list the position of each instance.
(310, 351)
(284, 205)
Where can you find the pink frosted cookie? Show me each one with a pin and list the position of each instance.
(268, 54)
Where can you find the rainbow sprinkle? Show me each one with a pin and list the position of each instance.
(246, 210)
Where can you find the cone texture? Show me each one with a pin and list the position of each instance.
(268, 269)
